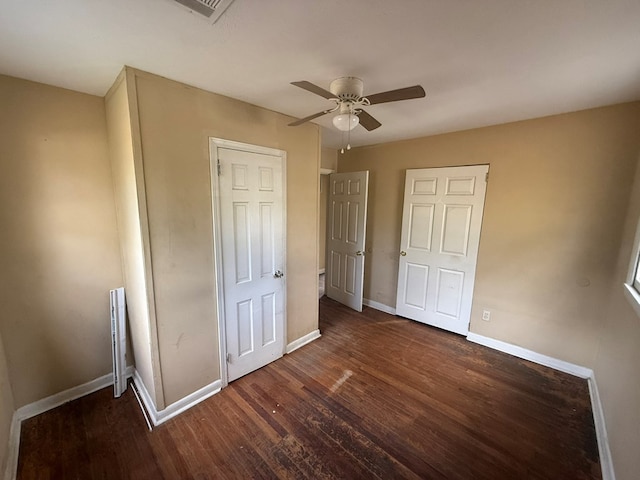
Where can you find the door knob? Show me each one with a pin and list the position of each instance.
(403, 253)
(278, 274)
(359, 253)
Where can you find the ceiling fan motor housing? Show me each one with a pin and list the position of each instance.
(347, 88)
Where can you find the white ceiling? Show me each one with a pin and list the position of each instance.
(481, 62)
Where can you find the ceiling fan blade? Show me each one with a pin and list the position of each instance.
(406, 93)
(310, 87)
(367, 121)
(310, 117)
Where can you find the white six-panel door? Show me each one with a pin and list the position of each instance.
(251, 230)
(441, 221)
(346, 236)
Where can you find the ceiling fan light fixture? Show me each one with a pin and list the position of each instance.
(347, 95)
(346, 122)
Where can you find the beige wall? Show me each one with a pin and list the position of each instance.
(556, 206)
(176, 122)
(59, 248)
(329, 158)
(131, 215)
(554, 211)
(616, 366)
(6, 408)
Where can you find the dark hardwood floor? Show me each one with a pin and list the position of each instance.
(376, 396)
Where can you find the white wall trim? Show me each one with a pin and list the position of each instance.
(302, 341)
(40, 406)
(633, 297)
(633, 261)
(160, 416)
(11, 468)
(327, 171)
(379, 306)
(530, 355)
(216, 143)
(606, 462)
(189, 401)
(145, 397)
(53, 401)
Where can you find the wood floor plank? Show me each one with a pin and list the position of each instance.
(377, 396)
(319, 449)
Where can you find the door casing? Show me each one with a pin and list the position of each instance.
(214, 145)
(348, 249)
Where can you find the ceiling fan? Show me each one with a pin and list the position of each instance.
(347, 93)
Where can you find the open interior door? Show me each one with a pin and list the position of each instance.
(346, 236)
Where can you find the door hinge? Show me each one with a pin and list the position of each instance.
(219, 168)
(228, 358)
(486, 175)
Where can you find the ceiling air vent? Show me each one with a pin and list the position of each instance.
(212, 9)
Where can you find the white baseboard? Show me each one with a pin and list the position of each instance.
(379, 306)
(44, 405)
(530, 355)
(11, 468)
(302, 341)
(53, 401)
(160, 416)
(606, 463)
(145, 397)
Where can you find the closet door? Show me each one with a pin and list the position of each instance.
(441, 221)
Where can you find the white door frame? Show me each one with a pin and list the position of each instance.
(340, 294)
(324, 172)
(214, 145)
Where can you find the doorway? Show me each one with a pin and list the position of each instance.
(322, 228)
(249, 211)
(346, 232)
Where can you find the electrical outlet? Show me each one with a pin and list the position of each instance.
(486, 315)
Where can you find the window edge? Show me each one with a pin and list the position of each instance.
(633, 297)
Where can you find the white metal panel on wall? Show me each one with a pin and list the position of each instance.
(118, 340)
